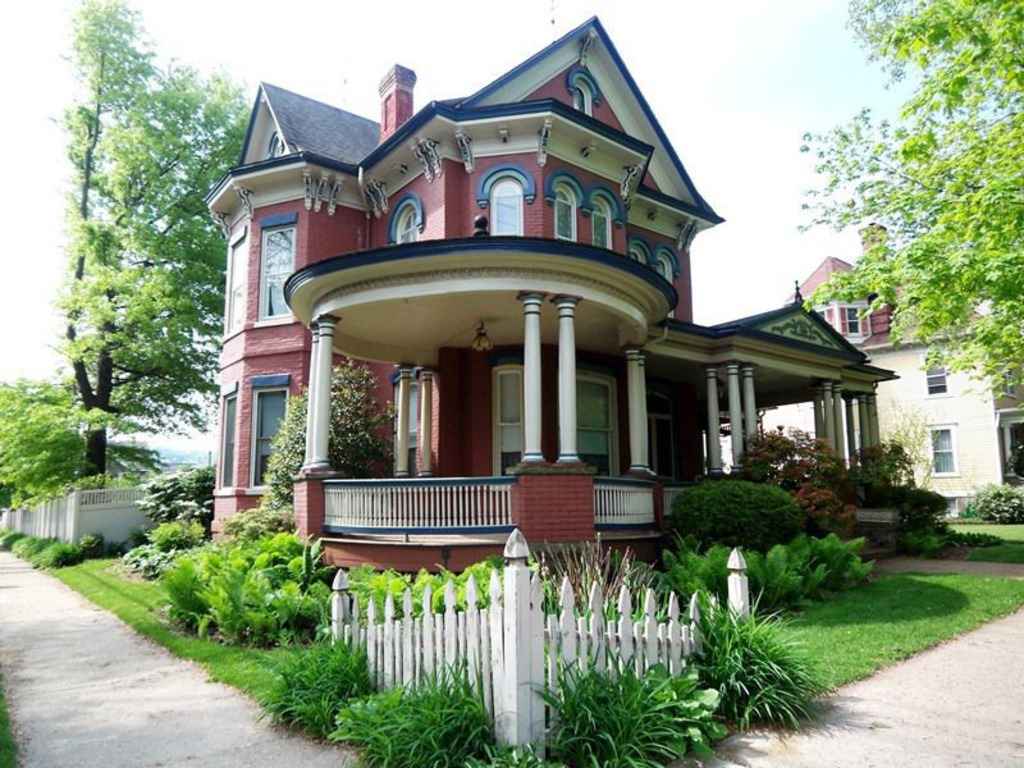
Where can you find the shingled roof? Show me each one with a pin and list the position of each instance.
(312, 126)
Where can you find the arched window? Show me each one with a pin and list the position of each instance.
(637, 253)
(582, 98)
(601, 222)
(665, 266)
(565, 213)
(407, 225)
(507, 208)
(275, 146)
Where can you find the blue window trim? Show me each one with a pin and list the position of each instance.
(566, 178)
(579, 74)
(270, 380)
(672, 258)
(496, 359)
(278, 220)
(499, 172)
(604, 193)
(644, 246)
(406, 200)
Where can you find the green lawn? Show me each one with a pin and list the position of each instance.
(1005, 532)
(138, 604)
(8, 749)
(1002, 553)
(894, 617)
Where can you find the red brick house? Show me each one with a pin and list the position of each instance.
(515, 265)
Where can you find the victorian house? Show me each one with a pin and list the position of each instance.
(515, 267)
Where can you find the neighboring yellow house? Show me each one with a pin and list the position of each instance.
(965, 433)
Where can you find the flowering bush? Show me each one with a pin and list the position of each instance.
(1000, 504)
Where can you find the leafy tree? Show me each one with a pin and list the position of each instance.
(360, 441)
(41, 443)
(946, 180)
(144, 294)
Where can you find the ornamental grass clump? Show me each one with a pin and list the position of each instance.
(314, 683)
(441, 723)
(761, 675)
(631, 720)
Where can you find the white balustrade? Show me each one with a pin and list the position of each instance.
(623, 502)
(425, 504)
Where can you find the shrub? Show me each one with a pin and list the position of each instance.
(880, 469)
(149, 561)
(182, 497)
(630, 719)
(312, 685)
(1000, 504)
(972, 539)
(30, 546)
(360, 434)
(761, 674)
(922, 543)
(786, 576)
(441, 723)
(257, 523)
(172, 537)
(92, 545)
(8, 539)
(920, 510)
(736, 513)
(59, 554)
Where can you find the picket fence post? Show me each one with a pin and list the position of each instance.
(339, 605)
(739, 585)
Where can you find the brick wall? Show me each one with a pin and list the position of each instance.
(554, 507)
(555, 88)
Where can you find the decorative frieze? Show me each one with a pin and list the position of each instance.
(630, 178)
(543, 140)
(465, 145)
(425, 150)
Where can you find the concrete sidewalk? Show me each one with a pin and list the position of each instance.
(961, 704)
(84, 690)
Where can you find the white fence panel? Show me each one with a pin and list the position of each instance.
(112, 513)
(503, 647)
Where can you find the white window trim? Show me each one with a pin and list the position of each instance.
(605, 211)
(257, 392)
(261, 316)
(275, 320)
(498, 184)
(496, 373)
(237, 240)
(407, 213)
(223, 442)
(586, 105)
(938, 395)
(952, 428)
(1005, 426)
(573, 209)
(613, 394)
(638, 251)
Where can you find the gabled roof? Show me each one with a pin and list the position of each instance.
(795, 324)
(308, 125)
(822, 273)
(594, 25)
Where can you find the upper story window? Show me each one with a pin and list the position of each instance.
(852, 321)
(664, 266)
(507, 208)
(276, 263)
(275, 147)
(407, 227)
(936, 381)
(565, 213)
(637, 253)
(234, 310)
(583, 99)
(601, 221)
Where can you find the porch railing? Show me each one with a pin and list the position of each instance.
(671, 491)
(419, 505)
(623, 502)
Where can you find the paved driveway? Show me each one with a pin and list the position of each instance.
(85, 691)
(961, 704)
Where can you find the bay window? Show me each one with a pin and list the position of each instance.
(235, 300)
(268, 413)
(276, 263)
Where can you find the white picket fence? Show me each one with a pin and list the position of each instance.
(510, 649)
(112, 512)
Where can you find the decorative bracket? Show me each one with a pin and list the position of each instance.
(585, 45)
(324, 189)
(630, 174)
(425, 150)
(543, 139)
(465, 145)
(588, 149)
(221, 220)
(245, 195)
(687, 231)
(376, 194)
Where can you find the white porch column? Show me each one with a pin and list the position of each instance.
(426, 404)
(714, 424)
(876, 433)
(634, 374)
(566, 378)
(863, 421)
(851, 435)
(749, 403)
(838, 430)
(402, 438)
(819, 409)
(321, 395)
(735, 414)
(531, 376)
(311, 391)
(828, 423)
(645, 445)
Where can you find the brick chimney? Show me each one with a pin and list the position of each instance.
(395, 99)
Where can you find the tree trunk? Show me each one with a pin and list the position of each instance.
(96, 451)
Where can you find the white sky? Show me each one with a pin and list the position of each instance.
(734, 85)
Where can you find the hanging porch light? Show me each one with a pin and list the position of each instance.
(482, 342)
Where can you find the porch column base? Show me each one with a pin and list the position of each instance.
(309, 506)
(554, 503)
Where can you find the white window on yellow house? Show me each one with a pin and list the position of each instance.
(943, 451)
